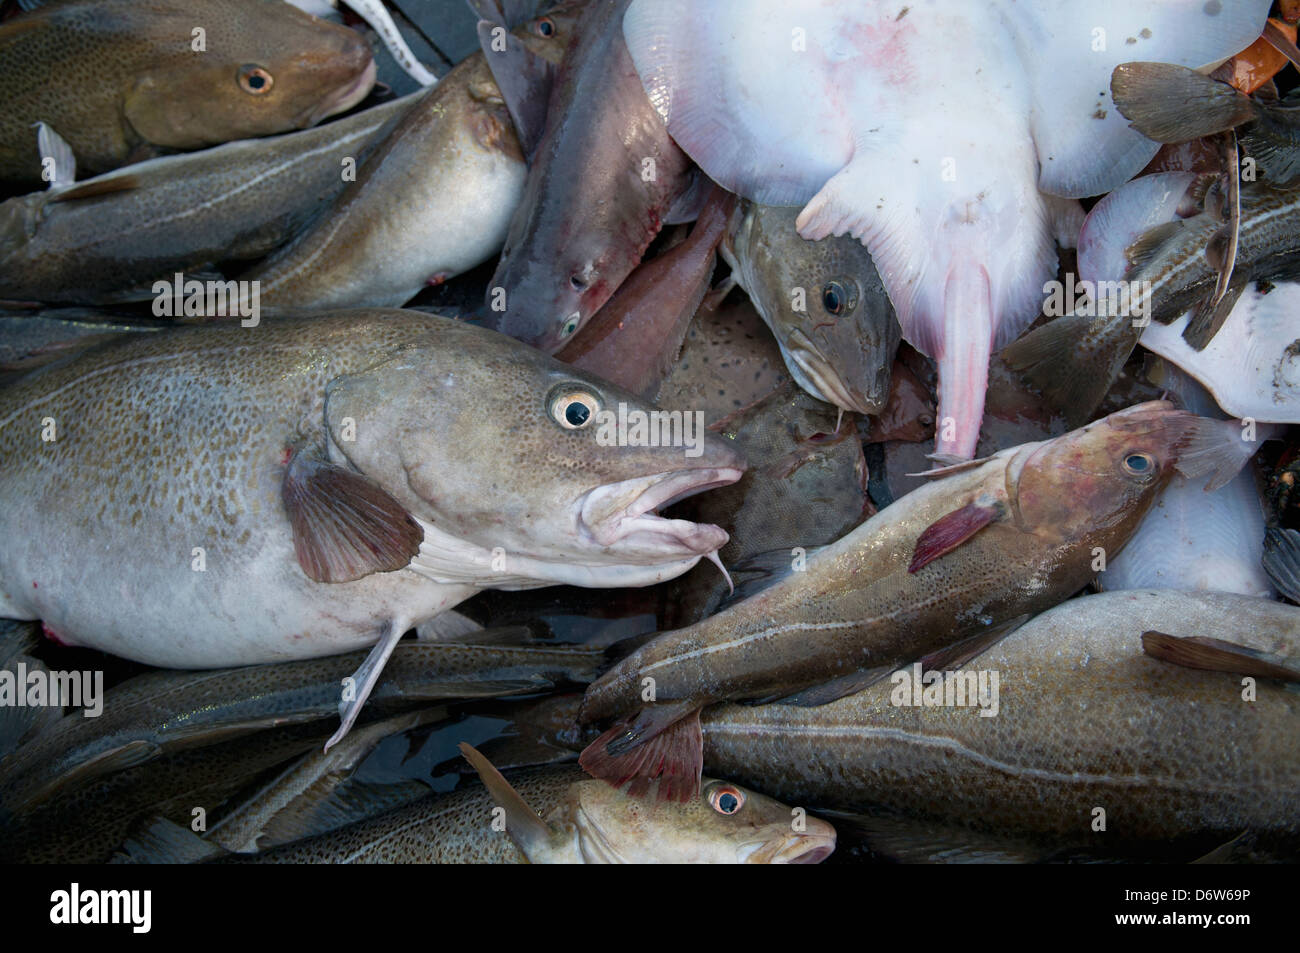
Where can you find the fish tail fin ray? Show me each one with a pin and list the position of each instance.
(661, 743)
(1048, 358)
(1281, 561)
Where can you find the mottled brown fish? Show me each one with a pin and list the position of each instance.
(823, 300)
(1084, 720)
(119, 80)
(971, 551)
(604, 178)
(560, 816)
(433, 200)
(313, 486)
(636, 338)
(110, 238)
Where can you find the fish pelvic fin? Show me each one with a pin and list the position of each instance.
(661, 742)
(358, 688)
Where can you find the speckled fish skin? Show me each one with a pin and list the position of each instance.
(857, 606)
(85, 824)
(233, 202)
(588, 212)
(596, 825)
(115, 77)
(1085, 719)
(841, 346)
(179, 440)
(805, 487)
(728, 361)
(434, 200)
(161, 712)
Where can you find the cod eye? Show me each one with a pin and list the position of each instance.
(544, 26)
(255, 80)
(1139, 464)
(726, 799)
(839, 296)
(573, 409)
(570, 325)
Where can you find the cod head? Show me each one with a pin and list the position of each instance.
(522, 471)
(265, 67)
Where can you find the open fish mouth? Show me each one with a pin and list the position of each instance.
(624, 516)
(815, 375)
(788, 848)
(345, 98)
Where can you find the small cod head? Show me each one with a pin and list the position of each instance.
(825, 303)
(1092, 486)
(723, 824)
(523, 471)
(266, 67)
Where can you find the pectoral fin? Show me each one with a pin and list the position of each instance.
(948, 532)
(344, 525)
(957, 655)
(100, 185)
(836, 688)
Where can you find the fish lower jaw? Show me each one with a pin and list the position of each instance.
(815, 375)
(786, 847)
(635, 530)
(448, 560)
(591, 843)
(651, 536)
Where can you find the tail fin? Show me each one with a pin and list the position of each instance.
(1171, 103)
(1072, 362)
(663, 742)
(1282, 561)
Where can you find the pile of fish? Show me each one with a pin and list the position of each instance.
(369, 401)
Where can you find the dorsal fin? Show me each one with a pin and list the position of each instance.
(525, 827)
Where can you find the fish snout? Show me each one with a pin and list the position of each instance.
(347, 95)
(785, 846)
